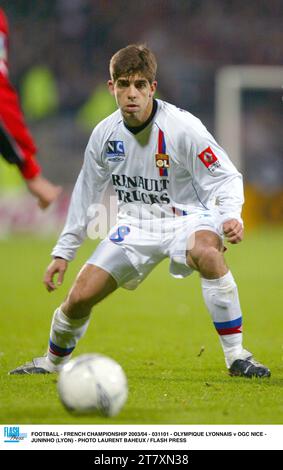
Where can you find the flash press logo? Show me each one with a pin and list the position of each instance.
(13, 434)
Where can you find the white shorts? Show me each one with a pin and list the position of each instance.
(130, 252)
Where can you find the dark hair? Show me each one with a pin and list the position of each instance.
(131, 60)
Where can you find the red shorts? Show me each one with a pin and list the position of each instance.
(16, 143)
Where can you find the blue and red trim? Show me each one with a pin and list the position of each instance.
(58, 351)
(161, 142)
(162, 150)
(229, 327)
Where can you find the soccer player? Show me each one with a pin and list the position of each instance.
(179, 195)
(16, 143)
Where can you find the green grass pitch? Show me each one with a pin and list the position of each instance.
(156, 334)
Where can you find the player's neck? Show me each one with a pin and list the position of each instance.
(135, 128)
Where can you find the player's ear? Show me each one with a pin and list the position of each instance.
(110, 84)
(153, 87)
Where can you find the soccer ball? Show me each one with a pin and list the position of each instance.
(93, 384)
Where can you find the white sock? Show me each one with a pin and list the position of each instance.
(222, 301)
(64, 335)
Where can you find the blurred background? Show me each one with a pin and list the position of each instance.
(59, 55)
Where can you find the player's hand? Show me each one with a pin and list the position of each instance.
(57, 266)
(45, 191)
(233, 231)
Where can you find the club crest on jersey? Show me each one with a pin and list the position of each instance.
(161, 158)
(209, 159)
(115, 150)
(162, 163)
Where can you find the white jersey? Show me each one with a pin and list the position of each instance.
(173, 165)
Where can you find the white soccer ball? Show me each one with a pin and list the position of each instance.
(93, 383)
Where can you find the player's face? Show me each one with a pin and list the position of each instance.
(134, 96)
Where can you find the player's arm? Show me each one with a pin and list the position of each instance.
(216, 178)
(16, 143)
(45, 191)
(88, 190)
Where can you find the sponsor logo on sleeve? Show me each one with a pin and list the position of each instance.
(115, 150)
(209, 159)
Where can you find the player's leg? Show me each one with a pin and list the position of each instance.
(222, 300)
(219, 290)
(108, 268)
(71, 319)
